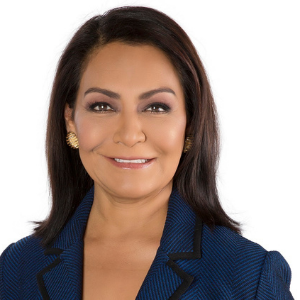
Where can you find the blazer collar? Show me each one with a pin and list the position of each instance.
(181, 240)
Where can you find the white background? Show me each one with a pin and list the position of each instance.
(251, 51)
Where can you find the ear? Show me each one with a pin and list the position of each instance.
(69, 119)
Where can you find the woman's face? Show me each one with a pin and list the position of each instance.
(129, 119)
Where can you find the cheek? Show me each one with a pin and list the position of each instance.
(90, 133)
(168, 136)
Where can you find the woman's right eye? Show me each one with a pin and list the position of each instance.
(101, 107)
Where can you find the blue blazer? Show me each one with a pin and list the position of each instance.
(192, 262)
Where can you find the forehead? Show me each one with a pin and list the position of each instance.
(122, 65)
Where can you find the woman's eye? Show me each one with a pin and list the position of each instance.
(158, 108)
(101, 107)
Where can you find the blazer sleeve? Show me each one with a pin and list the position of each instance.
(275, 278)
(4, 271)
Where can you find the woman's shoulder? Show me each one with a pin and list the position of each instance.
(26, 245)
(20, 262)
(232, 252)
(222, 238)
(248, 265)
(22, 259)
(240, 251)
(25, 249)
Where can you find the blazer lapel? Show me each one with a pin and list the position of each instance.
(62, 277)
(171, 272)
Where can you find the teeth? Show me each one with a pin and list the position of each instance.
(135, 161)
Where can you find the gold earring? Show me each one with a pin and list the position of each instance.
(72, 140)
(188, 143)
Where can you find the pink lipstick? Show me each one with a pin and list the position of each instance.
(131, 163)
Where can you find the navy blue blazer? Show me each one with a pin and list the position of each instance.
(192, 262)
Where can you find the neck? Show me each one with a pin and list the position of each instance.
(113, 217)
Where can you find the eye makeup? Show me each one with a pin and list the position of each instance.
(158, 107)
(99, 107)
(103, 107)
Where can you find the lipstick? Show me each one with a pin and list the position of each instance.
(131, 163)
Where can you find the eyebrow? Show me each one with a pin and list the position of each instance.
(143, 96)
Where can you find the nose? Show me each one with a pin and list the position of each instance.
(129, 130)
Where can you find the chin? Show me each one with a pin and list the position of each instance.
(133, 190)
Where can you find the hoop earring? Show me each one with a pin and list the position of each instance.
(72, 140)
(188, 143)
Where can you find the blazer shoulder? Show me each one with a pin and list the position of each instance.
(17, 258)
(275, 278)
(239, 258)
(256, 272)
(28, 244)
(224, 238)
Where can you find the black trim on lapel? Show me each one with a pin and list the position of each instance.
(55, 251)
(40, 274)
(197, 244)
(63, 273)
(187, 279)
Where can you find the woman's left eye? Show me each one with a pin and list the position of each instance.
(158, 108)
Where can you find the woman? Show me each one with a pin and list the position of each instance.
(132, 149)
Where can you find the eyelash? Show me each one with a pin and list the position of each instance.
(156, 105)
(91, 107)
(164, 106)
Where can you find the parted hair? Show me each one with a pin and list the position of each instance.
(195, 177)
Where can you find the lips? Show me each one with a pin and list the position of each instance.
(131, 163)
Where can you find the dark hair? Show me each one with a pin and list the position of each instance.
(195, 177)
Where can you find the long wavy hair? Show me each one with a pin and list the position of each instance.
(195, 177)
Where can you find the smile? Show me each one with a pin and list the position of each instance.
(133, 161)
(130, 164)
